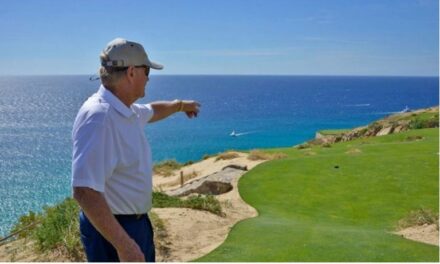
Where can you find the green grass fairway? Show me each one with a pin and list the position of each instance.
(310, 210)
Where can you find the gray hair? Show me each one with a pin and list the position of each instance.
(110, 76)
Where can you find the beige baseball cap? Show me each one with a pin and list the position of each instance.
(123, 53)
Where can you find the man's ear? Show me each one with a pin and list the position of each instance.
(130, 73)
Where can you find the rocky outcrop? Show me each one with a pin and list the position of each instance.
(393, 124)
(385, 131)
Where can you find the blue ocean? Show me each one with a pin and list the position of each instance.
(37, 113)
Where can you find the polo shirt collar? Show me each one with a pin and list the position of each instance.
(114, 101)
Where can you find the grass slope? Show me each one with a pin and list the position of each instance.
(309, 210)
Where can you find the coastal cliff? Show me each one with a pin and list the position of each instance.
(399, 122)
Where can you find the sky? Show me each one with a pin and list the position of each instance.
(240, 37)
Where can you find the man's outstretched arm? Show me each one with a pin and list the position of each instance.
(163, 109)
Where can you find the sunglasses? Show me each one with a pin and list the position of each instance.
(147, 69)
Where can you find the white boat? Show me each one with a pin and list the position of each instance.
(233, 134)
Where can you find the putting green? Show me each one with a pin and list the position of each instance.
(338, 203)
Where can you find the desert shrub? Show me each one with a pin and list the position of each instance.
(200, 202)
(59, 228)
(26, 224)
(56, 228)
(416, 124)
(260, 155)
(167, 167)
(227, 156)
(419, 217)
(190, 162)
(414, 138)
(162, 200)
(303, 146)
(423, 123)
(208, 203)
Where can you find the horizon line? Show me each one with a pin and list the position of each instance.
(253, 75)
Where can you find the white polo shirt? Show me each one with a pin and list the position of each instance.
(111, 153)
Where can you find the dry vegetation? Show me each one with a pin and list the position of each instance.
(166, 168)
(418, 218)
(186, 177)
(260, 155)
(227, 155)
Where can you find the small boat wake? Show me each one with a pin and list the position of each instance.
(235, 134)
(405, 110)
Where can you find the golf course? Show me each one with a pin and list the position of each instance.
(338, 203)
(348, 195)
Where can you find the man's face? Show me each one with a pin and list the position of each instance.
(142, 77)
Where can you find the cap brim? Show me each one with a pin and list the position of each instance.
(155, 66)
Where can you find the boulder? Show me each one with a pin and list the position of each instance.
(234, 166)
(385, 131)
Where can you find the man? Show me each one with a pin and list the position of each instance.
(112, 163)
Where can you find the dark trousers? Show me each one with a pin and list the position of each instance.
(98, 249)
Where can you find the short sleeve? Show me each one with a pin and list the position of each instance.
(145, 111)
(91, 156)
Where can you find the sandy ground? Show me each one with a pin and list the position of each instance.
(189, 234)
(22, 250)
(201, 169)
(426, 234)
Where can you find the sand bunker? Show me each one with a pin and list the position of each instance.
(425, 233)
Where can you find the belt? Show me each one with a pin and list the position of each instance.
(131, 216)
